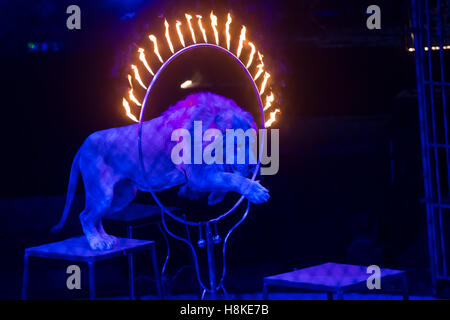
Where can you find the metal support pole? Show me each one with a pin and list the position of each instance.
(265, 293)
(188, 235)
(211, 261)
(130, 266)
(339, 294)
(405, 291)
(418, 46)
(159, 286)
(25, 278)
(91, 280)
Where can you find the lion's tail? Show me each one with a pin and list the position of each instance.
(73, 182)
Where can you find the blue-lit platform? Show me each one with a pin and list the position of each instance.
(334, 278)
(77, 249)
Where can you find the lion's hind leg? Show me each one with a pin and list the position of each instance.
(124, 194)
(99, 188)
(92, 228)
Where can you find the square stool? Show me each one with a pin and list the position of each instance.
(333, 278)
(77, 249)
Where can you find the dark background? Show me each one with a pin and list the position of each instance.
(349, 184)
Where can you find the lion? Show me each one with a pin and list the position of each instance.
(108, 162)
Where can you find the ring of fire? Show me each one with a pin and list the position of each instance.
(261, 77)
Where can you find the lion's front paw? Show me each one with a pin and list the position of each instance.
(257, 193)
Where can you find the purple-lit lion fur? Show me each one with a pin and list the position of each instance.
(108, 162)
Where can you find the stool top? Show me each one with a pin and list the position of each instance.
(137, 211)
(77, 249)
(328, 277)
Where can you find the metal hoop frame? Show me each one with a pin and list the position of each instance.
(144, 104)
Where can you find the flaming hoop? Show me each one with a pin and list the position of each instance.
(255, 72)
(200, 34)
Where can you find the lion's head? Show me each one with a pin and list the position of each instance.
(239, 135)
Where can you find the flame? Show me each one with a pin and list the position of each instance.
(166, 24)
(133, 98)
(241, 41)
(130, 93)
(272, 118)
(144, 61)
(259, 66)
(263, 85)
(269, 99)
(128, 111)
(186, 84)
(155, 47)
(227, 31)
(188, 18)
(201, 28)
(180, 34)
(252, 53)
(214, 26)
(136, 75)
